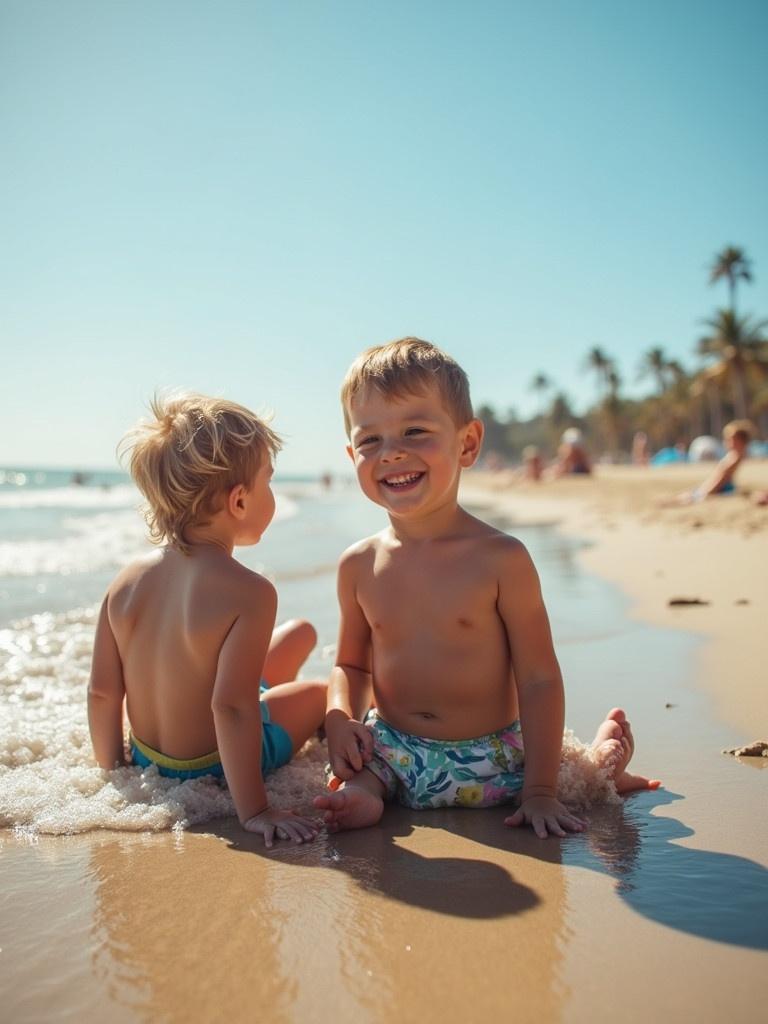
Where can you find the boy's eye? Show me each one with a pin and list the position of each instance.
(414, 430)
(363, 442)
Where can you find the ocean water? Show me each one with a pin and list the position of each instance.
(63, 539)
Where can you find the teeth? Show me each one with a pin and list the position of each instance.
(403, 478)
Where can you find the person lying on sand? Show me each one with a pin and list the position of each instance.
(440, 612)
(185, 635)
(736, 435)
(572, 458)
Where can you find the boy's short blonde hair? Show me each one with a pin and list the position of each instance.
(740, 430)
(194, 450)
(408, 366)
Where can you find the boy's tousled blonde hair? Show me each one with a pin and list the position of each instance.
(194, 450)
(740, 430)
(408, 366)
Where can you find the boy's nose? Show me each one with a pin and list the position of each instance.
(392, 452)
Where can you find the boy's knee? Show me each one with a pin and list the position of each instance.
(320, 691)
(305, 631)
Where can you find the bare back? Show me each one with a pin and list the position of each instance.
(440, 651)
(170, 617)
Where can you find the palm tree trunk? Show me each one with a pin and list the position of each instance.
(740, 392)
(697, 417)
(715, 410)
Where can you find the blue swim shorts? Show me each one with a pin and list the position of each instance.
(276, 751)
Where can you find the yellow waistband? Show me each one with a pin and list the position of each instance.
(164, 761)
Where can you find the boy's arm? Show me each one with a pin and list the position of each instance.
(540, 693)
(106, 692)
(237, 717)
(720, 476)
(350, 744)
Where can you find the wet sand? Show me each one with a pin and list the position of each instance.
(660, 909)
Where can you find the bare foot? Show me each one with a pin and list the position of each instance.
(613, 747)
(350, 807)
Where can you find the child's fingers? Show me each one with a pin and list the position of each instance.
(553, 827)
(515, 819)
(354, 757)
(307, 827)
(297, 831)
(570, 821)
(365, 737)
(341, 769)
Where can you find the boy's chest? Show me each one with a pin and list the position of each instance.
(429, 594)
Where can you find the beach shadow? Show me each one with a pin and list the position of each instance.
(718, 896)
(377, 862)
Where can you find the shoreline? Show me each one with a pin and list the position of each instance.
(344, 928)
(714, 552)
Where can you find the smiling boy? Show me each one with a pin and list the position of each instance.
(442, 622)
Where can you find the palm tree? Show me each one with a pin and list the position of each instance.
(707, 386)
(495, 431)
(612, 407)
(733, 265)
(655, 364)
(561, 415)
(541, 384)
(738, 344)
(600, 364)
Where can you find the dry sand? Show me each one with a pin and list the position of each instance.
(715, 552)
(659, 911)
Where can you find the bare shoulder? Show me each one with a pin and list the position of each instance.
(243, 585)
(496, 542)
(507, 554)
(133, 574)
(360, 554)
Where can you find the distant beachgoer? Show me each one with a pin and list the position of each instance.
(442, 623)
(704, 449)
(533, 463)
(572, 456)
(641, 452)
(185, 636)
(736, 436)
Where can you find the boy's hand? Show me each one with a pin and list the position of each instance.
(350, 745)
(283, 824)
(547, 816)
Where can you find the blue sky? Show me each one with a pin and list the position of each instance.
(237, 197)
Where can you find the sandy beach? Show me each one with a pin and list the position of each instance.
(659, 910)
(714, 552)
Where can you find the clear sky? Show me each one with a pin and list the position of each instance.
(237, 197)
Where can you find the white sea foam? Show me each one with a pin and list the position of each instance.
(50, 784)
(48, 780)
(92, 543)
(120, 496)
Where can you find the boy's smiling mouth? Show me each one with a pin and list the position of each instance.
(401, 481)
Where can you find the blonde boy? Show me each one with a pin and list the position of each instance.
(736, 435)
(185, 635)
(442, 622)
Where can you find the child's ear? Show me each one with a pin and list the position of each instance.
(236, 501)
(351, 452)
(472, 443)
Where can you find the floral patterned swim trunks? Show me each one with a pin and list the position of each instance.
(423, 773)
